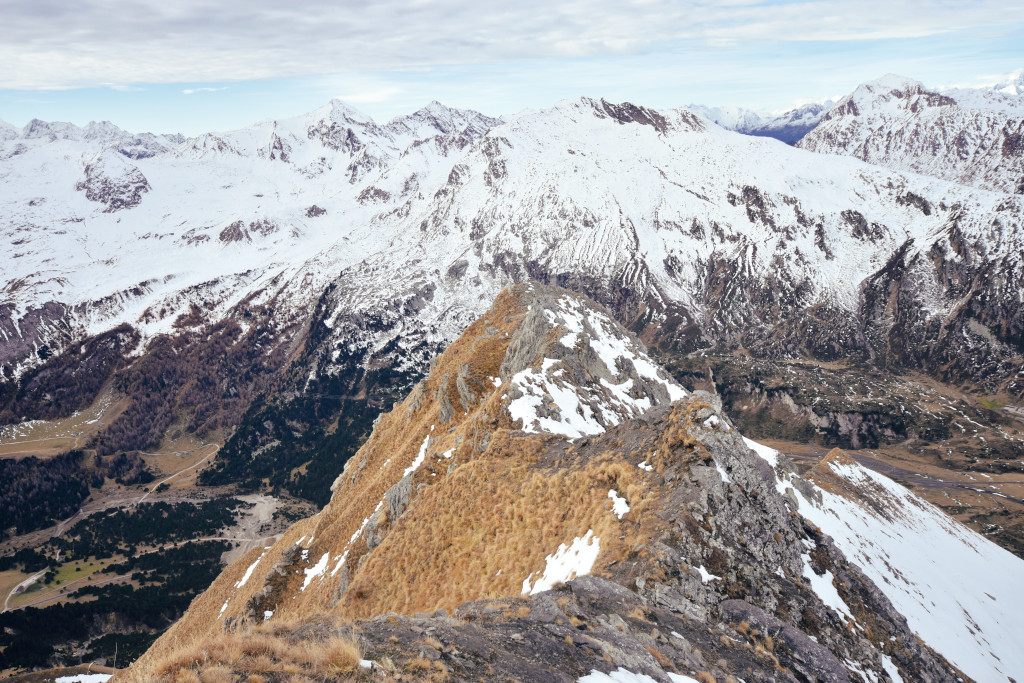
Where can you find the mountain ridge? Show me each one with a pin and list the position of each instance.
(470, 504)
(777, 250)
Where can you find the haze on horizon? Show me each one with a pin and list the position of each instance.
(192, 67)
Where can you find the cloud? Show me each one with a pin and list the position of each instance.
(53, 44)
(371, 96)
(193, 91)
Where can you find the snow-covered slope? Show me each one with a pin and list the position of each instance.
(689, 232)
(958, 591)
(969, 136)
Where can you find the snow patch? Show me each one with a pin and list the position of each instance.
(420, 457)
(706, 576)
(619, 504)
(248, 572)
(316, 570)
(566, 563)
(891, 669)
(826, 590)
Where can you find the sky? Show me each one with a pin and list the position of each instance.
(193, 66)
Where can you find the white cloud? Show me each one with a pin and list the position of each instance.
(988, 80)
(370, 96)
(50, 44)
(193, 91)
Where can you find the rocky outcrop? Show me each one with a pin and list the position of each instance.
(576, 461)
(111, 180)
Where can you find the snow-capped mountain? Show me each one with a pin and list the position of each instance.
(731, 118)
(385, 241)
(1014, 85)
(547, 502)
(788, 126)
(968, 136)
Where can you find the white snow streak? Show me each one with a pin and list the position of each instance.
(619, 504)
(566, 563)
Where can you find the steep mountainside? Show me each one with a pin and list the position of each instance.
(545, 447)
(329, 256)
(969, 136)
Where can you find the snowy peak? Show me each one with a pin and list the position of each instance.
(1013, 86)
(966, 136)
(893, 84)
(88, 139)
(339, 111)
(437, 119)
(890, 93)
(731, 118)
(7, 131)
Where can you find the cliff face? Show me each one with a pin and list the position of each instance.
(547, 503)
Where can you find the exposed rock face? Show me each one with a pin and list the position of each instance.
(545, 447)
(111, 180)
(971, 137)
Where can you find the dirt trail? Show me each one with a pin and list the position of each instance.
(23, 586)
(178, 473)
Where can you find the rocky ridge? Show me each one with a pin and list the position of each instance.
(545, 447)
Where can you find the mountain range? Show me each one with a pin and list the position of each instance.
(275, 290)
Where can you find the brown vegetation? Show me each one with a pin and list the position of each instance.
(265, 652)
(481, 513)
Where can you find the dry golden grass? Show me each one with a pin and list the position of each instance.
(255, 654)
(486, 527)
(473, 533)
(663, 661)
(705, 677)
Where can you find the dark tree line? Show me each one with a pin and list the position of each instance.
(124, 529)
(321, 430)
(69, 381)
(209, 376)
(36, 493)
(44, 637)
